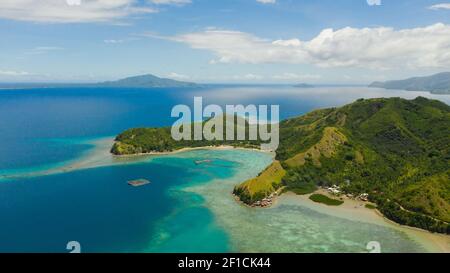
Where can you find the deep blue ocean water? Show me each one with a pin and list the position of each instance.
(42, 127)
(97, 208)
(32, 121)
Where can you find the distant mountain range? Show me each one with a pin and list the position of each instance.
(146, 81)
(142, 81)
(436, 84)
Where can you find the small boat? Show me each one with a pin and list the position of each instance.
(198, 162)
(138, 182)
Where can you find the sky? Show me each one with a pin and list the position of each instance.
(224, 41)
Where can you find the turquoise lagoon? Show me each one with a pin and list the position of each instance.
(186, 208)
(58, 182)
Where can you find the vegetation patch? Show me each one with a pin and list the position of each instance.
(320, 198)
(430, 196)
(261, 186)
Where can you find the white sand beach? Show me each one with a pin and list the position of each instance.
(355, 210)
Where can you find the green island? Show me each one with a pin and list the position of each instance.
(323, 199)
(159, 140)
(393, 150)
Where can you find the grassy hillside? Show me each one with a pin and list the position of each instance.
(261, 186)
(396, 150)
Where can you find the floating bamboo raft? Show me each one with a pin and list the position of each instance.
(138, 182)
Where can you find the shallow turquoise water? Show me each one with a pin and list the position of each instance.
(186, 208)
(97, 208)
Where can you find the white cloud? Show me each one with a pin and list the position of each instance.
(13, 73)
(43, 50)
(380, 47)
(73, 2)
(171, 2)
(267, 1)
(113, 41)
(177, 76)
(48, 48)
(444, 6)
(71, 11)
(295, 76)
(374, 2)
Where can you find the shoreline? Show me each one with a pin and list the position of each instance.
(288, 220)
(189, 149)
(355, 210)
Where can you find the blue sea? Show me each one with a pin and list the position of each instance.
(186, 207)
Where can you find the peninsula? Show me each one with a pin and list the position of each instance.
(436, 84)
